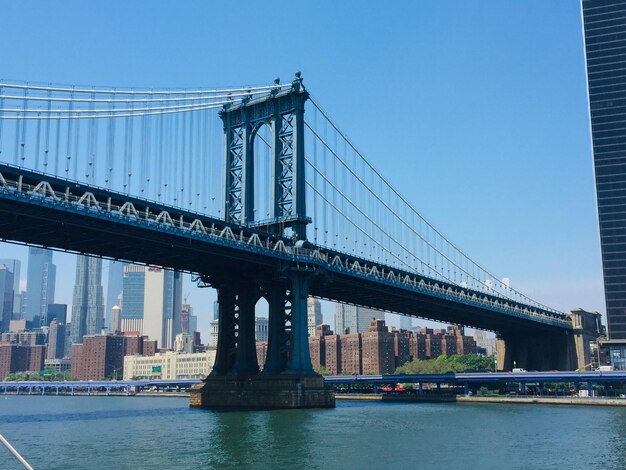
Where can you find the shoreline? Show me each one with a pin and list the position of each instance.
(572, 401)
(578, 401)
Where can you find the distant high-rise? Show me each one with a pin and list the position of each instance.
(216, 310)
(605, 47)
(57, 312)
(353, 319)
(14, 266)
(152, 303)
(261, 328)
(40, 283)
(193, 324)
(114, 287)
(56, 341)
(314, 314)
(88, 300)
(6, 298)
(115, 324)
(406, 323)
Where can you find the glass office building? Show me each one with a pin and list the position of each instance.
(605, 48)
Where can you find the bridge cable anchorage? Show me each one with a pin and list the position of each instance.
(443, 242)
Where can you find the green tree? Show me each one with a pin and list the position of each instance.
(444, 364)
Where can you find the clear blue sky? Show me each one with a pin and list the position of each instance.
(476, 110)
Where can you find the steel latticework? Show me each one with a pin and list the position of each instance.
(285, 205)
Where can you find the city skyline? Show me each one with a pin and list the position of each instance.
(509, 138)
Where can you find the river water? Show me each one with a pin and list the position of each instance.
(164, 433)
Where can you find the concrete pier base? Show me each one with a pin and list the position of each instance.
(262, 392)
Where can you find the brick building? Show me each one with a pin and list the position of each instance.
(20, 358)
(351, 354)
(378, 349)
(332, 344)
(98, 357)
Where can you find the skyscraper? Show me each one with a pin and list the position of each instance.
(152, 302)
(40, 283)
(114, 287)
(406, 323)
(605, 48)
(353, 319)
(56, 341)
(314, 314)
(88, 300)
(14, 266)
(6, 297)
(216, 310)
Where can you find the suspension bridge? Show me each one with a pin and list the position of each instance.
(256, 199)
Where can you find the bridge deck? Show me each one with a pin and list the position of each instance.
(46, 211)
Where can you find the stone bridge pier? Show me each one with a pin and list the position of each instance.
(288, 379)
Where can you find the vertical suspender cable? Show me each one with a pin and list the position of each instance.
(23, 140)
(47, 142)
(38, 142)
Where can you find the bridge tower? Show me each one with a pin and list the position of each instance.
(288, 379)
(283, 112)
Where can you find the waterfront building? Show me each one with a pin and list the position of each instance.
(57, 312)
(605, 43)
(88, 300)
(169, 365)
(6, 297)
(314, 314)
(20, 358)
(152, 302)
(99, 357)
(353, 319)
(56, 340)
(14, 266)
(115, 284)
(40, 286)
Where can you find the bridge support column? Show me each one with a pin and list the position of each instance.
(246, 361)
(227, 329)
(300, 361)
(278, 336)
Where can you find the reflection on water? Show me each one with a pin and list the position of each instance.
(146, 432)
(238, 439)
